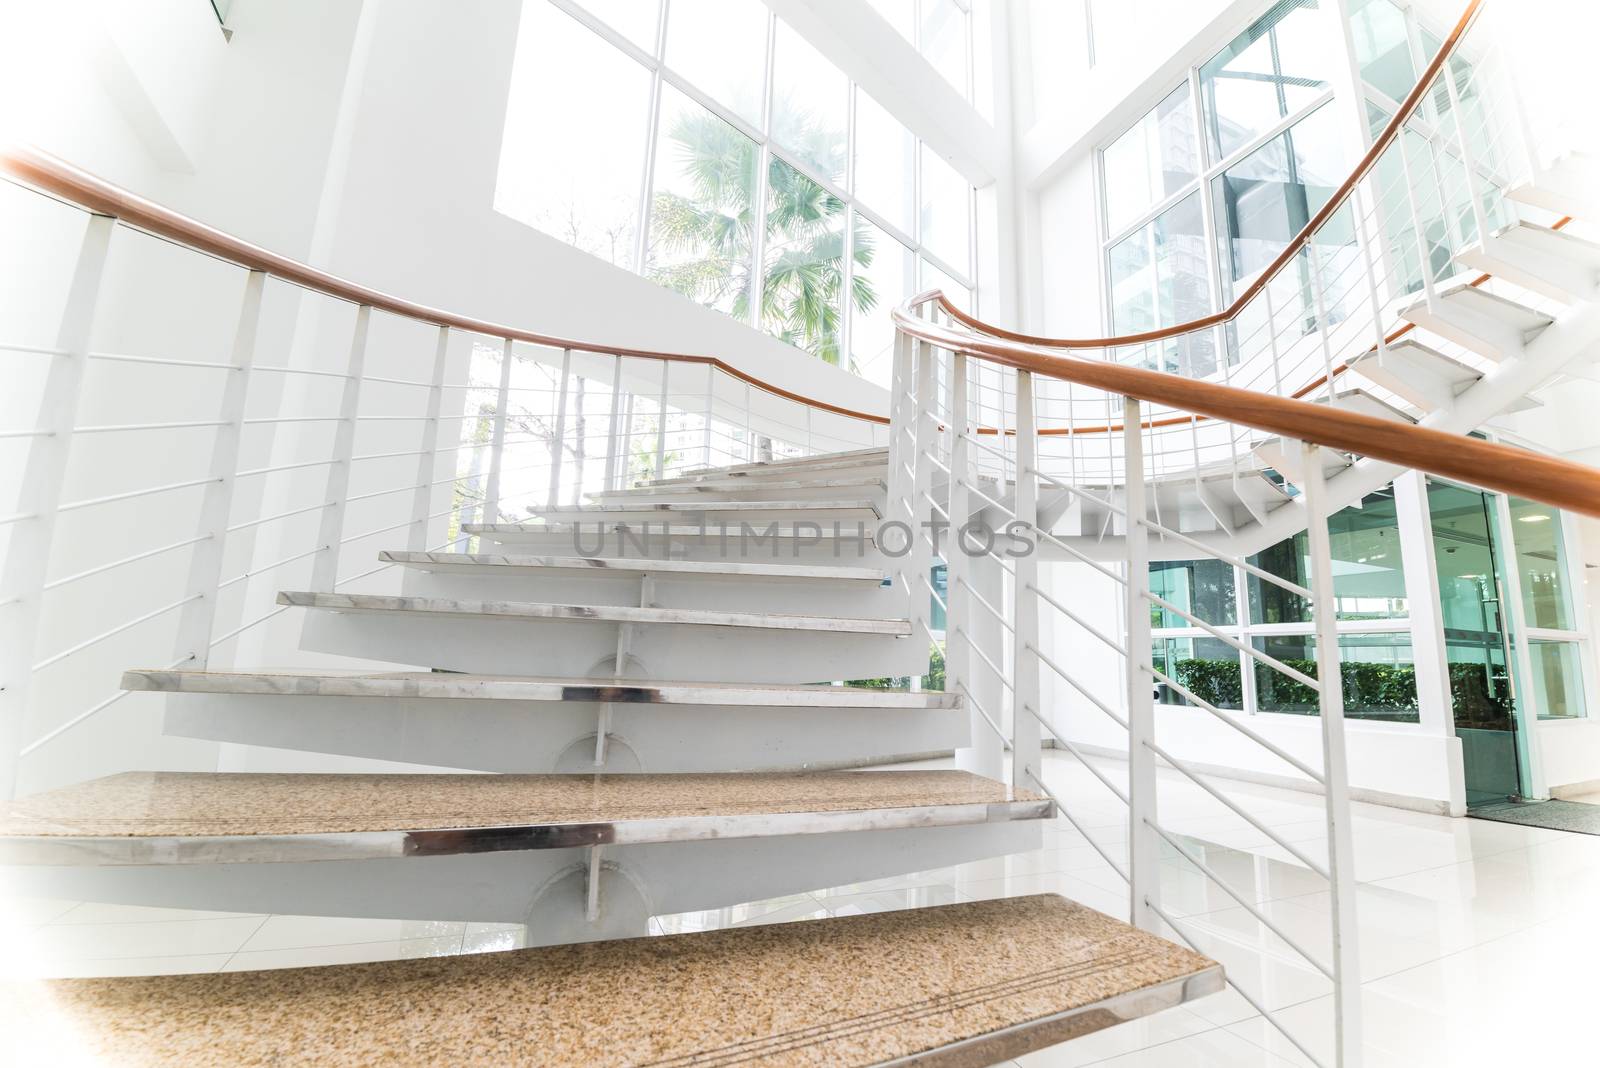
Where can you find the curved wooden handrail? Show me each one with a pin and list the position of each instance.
(60, 178)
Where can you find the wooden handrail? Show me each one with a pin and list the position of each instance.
(60, 178)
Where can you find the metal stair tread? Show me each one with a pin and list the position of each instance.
(630, 509)
(444, 685)
(713, 485)
(857, 530)
(707, 569)
(534, 610)
(229, 817)
(962, 984)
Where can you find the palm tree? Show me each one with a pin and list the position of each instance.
(709, 234)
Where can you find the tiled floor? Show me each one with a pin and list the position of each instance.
(1478, 939)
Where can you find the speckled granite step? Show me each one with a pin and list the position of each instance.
(209, 817)
(954, 986)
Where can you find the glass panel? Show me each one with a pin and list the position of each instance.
(1206, 667)
(1383, 49)
(588, 198)
(810, 104)
(901, 14)
(1159, 278)
(1273, 69)
(883, 279)
(1268, 197)
(944, 40)
(634, 19)
(886, 160)
(1377, 675)
(1204, 588)
(1557, 679)
(939, 578)
(804, 269)
(946, 210)
(1154, 159)
(702, 214)
(1536, 534)
(1368, 579)
(930, 277)
(721, 46)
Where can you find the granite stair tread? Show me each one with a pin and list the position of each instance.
(446, 685)
(219, 817)
(966, 984)
(707, 569)
(533, 611)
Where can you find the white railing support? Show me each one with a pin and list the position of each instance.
(1336, 776)
(925, 445)
(661, 423)
(193, 644)
(27, 556)
(558, 444)
(614, 427)
(417, 539)
(1026, 757)
(497, 447)
(325, 565)
(1144, 852)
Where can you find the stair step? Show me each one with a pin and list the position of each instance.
(727, 511)
(1569, 186)
(870, 460)
(220, 817)
(1490, 325)
(1364, 403)
(1546, 261)
(444, 685)
(741, 485)
(963, 984)
(1423, 376)
(519, 610)
(822, 458)
(711, 570)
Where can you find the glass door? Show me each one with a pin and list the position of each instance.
(1477, 641)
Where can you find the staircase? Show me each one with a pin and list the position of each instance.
(660, 730)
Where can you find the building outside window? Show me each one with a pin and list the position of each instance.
(742, 168)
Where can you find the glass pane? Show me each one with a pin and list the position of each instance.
(1159, 278)
(883, 279)
(1267, 73)
(1206, 667)
(1203, 588)
(886, 160)
(810, 104)
(1536, 533)
(932, 278)
(1383, 49)
(804, 268)
(901, 14)
(1377, 675)
(944, 40)
(554, 174)
(1557, 680)
(702, 213)
(721, 46)
(1368, 579)
(1469, 603)
(1154, 159)
(634, 19)
(1268, 197)
(946, 210)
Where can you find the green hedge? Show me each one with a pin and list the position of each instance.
(1371, 691)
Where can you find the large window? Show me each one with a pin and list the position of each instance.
(714, 150)
(1377, 673)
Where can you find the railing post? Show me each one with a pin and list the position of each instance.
(661, 423)
(1425, 258)
(1479, 221)
(1027, 771)
(711, 397)
(925, 445)
(558, 445)
(749, 432)
(27, 555)
(497, 445)
(900, 429)
(1144, 853)
(614, 427)
(1335, 767)
(325, 565)
(205, 563)
(428, 462)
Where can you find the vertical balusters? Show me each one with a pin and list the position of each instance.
(325, 565)
(614, 427)
(205, 564)
(1144, 854)
(497, 446)
(661, 424)
(427, 464)
(1025, 740)
(711, 397)
(558, 444)
(27, 556)
(1335, 767)
(925, 445)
